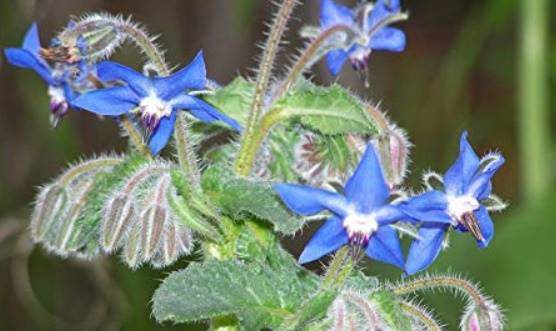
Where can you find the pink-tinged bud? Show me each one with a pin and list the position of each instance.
(393, 147)
(485, 318)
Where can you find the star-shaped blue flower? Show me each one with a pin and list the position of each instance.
(28, 57)
(369, 22)
(362, 216)
(156, 100)
(467, 184)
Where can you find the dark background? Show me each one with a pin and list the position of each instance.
(460, 71)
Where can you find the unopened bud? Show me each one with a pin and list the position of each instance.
(118, 217)
(132, 250)
(152, 224)
(49, 205)
(393, 147)
(488, 317)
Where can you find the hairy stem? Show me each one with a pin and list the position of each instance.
(419, 314)
(86, 167)
(243, 167)
(433, 282)
(186, 156)
(134, 136)
(312, 53)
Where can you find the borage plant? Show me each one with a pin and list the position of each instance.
(254, 161)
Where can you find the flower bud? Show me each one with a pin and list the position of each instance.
(488, 317)
(49, 205)
(393, 147)
(119, 215)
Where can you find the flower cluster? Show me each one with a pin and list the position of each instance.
(363, 216)
(111, 89)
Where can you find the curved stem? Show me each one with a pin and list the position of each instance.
(263, 79)
(431, 282)
(134, 136)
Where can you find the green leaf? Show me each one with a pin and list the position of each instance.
(240, 196)
(261, 297)
(234, 99)
(329, 110)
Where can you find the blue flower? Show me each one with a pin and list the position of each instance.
(156, 100)
(370, 23)
(460, 204)
(360, 217)
(29, 57)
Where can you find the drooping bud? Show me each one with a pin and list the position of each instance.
(488, 317)
(133, 248)
(49, 205)
(65, 231)
(90, 38)
(118, 216)
(393, 147)
(152, 222)
(354, 311)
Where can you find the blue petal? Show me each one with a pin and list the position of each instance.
(110, 71)
(112, 101)
(69, 93)
(428, 207)
(384, 246)
(334, 14)
(486, 225)
(335, 61)
(328, 238)
(203, 111)
(389, 214)
(462, 171)
(162, 133)
(192, 77)
(425, 250)
(24, 59)
(379, 12)
(392, 5)
(480, 186)
(306, 200)
(388, 39)
(31, 42)
(367, 187)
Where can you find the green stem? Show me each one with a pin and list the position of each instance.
(134, 136)
(534, 135)
(265, 70)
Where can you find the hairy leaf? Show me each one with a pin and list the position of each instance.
(239, 196)
(259, 295)
(234, 99)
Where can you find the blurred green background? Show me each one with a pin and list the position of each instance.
(487, 66)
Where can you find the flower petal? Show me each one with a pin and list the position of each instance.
(203, 111)
(162, 133)
(305, 200)
(425, 250)
(334, 14)
(328, 238)
(428, 207)
(367, 187)
(112, 101)
(24, 59)
(389, 214)
(388, 39)
(31, 42)
(110, 71)
(191, 77)
(335, 60)
(462, 171)
(384, 246)
(486, 225)
(480, 186)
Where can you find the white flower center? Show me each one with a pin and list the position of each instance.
(360, 227)
(56, 94)
(460, 205)
(154, 106)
